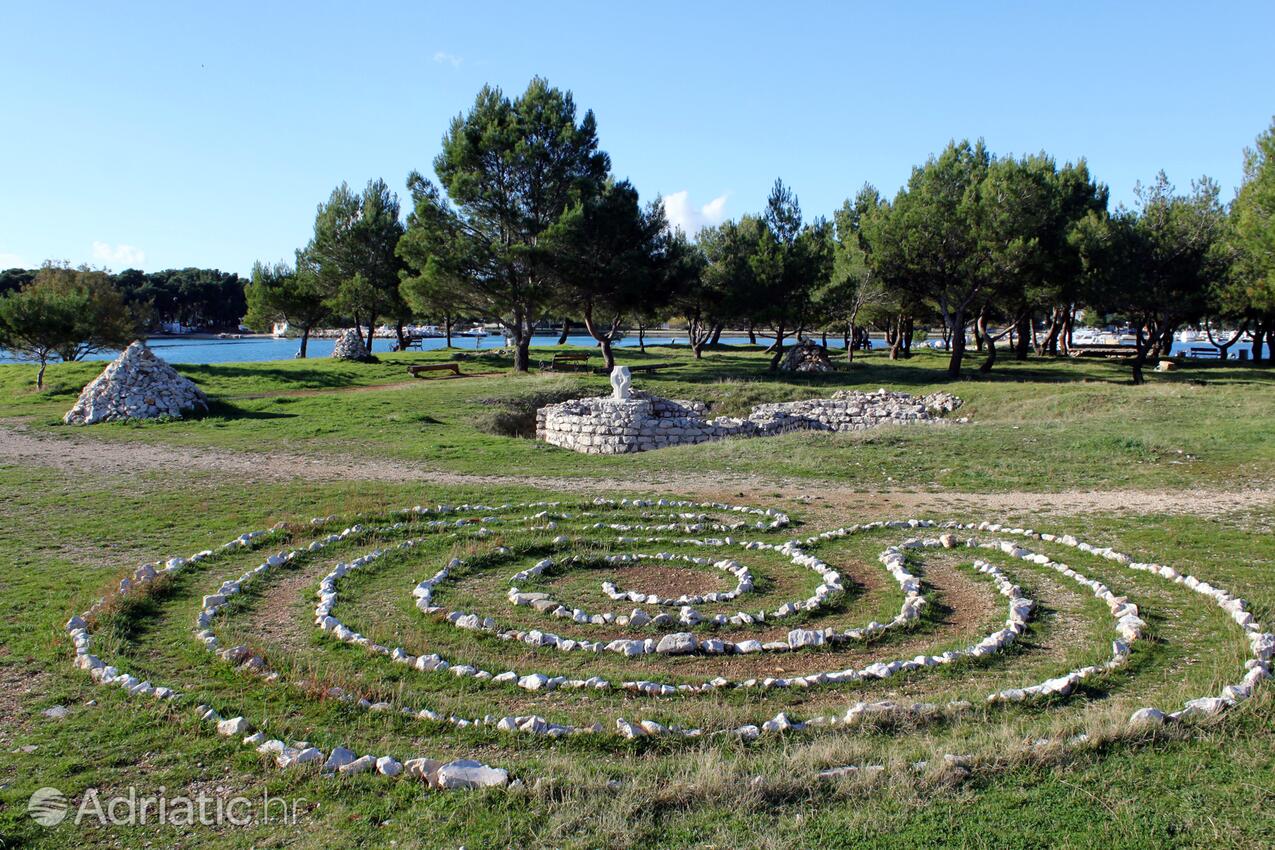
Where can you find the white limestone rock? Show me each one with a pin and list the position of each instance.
(136, 385)
(677, 643)
(235, 726)
(467, 773)
(349, 346)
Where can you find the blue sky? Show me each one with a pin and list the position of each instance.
(172, 134)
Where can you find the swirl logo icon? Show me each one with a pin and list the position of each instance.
(47, 806)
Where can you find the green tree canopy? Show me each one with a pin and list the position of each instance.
(353, 255)
(292, 294)
(65, 312)
(1248, 292)
(509, 170)
(609, 256)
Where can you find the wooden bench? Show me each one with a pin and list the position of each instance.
(569, 361)
(415, 371)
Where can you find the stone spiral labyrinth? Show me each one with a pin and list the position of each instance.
(491, 632)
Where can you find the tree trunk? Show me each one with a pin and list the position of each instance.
(522, 354)
(990, 360)
(1224, 347)
(695, 336)
(958, 344)
(978, 339)
(604, 339)
(778, 348)
(398, 332)
(305, 341)
(1050, 345)
(39, 375)
(752, 333)
(1143, 347)
(566, 331)
(850, 338)
(641, 337)
(1255, 335)
(371, 331)
(905, 336)
(894, 336)
(521, 340)
(1162, 342)
(717, 335)
(989, 344)
(1025, 329)
(447, 328)
(1069, 325)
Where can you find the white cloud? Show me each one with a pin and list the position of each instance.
(124, 256)
(444, 58)
(690, 219)
(11, 261)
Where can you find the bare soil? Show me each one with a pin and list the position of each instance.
(85, 454)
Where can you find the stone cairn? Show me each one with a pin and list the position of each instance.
(349, 346)
(720, 532)
(806, 356)
(637, 422)
(136, 385)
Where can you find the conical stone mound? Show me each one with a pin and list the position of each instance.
(136, 385)
(349, 346)
(806, 356)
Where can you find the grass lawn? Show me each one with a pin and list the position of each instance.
(1040, 425)
(1038, 429)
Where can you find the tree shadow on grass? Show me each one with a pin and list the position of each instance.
(925, 369)
(258, 372)
(225, 410)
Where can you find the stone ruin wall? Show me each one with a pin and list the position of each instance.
(642, 423)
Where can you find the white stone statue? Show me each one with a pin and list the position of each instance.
(621, 380)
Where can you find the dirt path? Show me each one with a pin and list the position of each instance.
(21, 446)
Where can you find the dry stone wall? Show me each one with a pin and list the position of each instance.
(640, 423)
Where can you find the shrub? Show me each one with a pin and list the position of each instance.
(514, 415)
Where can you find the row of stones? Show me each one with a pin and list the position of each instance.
(1019, 610)
(463, 773)
(638, 618)
(679, 643)
(459, 773)
(1128, 626)
(743, 582)
(829, 588)
(768, 519)
(1257, 668)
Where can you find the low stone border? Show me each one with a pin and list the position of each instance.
(1128, 626)
(456, 774)
(829, 588)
